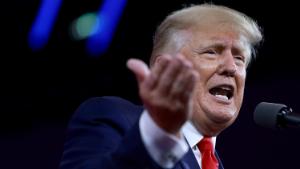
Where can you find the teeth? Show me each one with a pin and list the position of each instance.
(225, 88)
(222, 97)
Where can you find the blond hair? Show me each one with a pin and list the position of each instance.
(170, 35)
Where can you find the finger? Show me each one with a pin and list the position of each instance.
(181, 80)
(160, 65)
(139, 68)
(168, 76)
(184, 85)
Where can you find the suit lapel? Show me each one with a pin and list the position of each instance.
(219, 160)
(189, 161)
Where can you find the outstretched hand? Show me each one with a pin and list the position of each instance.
(166, 90)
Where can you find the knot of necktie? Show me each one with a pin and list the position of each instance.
(205, 144)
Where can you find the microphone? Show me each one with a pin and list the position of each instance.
(274, 116)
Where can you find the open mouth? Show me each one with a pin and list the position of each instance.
(222, 91)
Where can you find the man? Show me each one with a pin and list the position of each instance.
(192, 92)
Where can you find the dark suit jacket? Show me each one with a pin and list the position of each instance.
(104, 134)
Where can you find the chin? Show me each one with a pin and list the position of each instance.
(212, 122)
(222, 117)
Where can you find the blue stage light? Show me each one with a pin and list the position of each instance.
(43, 24)
(108, 18)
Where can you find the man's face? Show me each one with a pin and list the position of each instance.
(220, 59)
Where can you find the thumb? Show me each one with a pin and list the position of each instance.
(139, 68)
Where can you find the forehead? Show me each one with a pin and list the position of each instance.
(222, 40)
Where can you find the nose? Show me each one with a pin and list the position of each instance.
(227, 66)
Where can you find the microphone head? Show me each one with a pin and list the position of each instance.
(266, 114)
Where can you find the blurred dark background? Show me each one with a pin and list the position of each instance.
(41, 89)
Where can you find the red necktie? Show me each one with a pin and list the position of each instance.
(209, 160)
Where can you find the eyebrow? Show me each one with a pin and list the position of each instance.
(217, 42)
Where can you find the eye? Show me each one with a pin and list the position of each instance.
(210, 51)
(240, 58)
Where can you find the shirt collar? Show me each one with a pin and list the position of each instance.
(192, 135)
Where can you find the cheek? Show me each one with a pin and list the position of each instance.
(205, 68)
(241, 79)
(240, 87)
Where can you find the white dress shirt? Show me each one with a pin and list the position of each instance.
(167, 149)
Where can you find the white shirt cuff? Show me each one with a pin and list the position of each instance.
(164, 148)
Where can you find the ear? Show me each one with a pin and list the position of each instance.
(157, 60)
